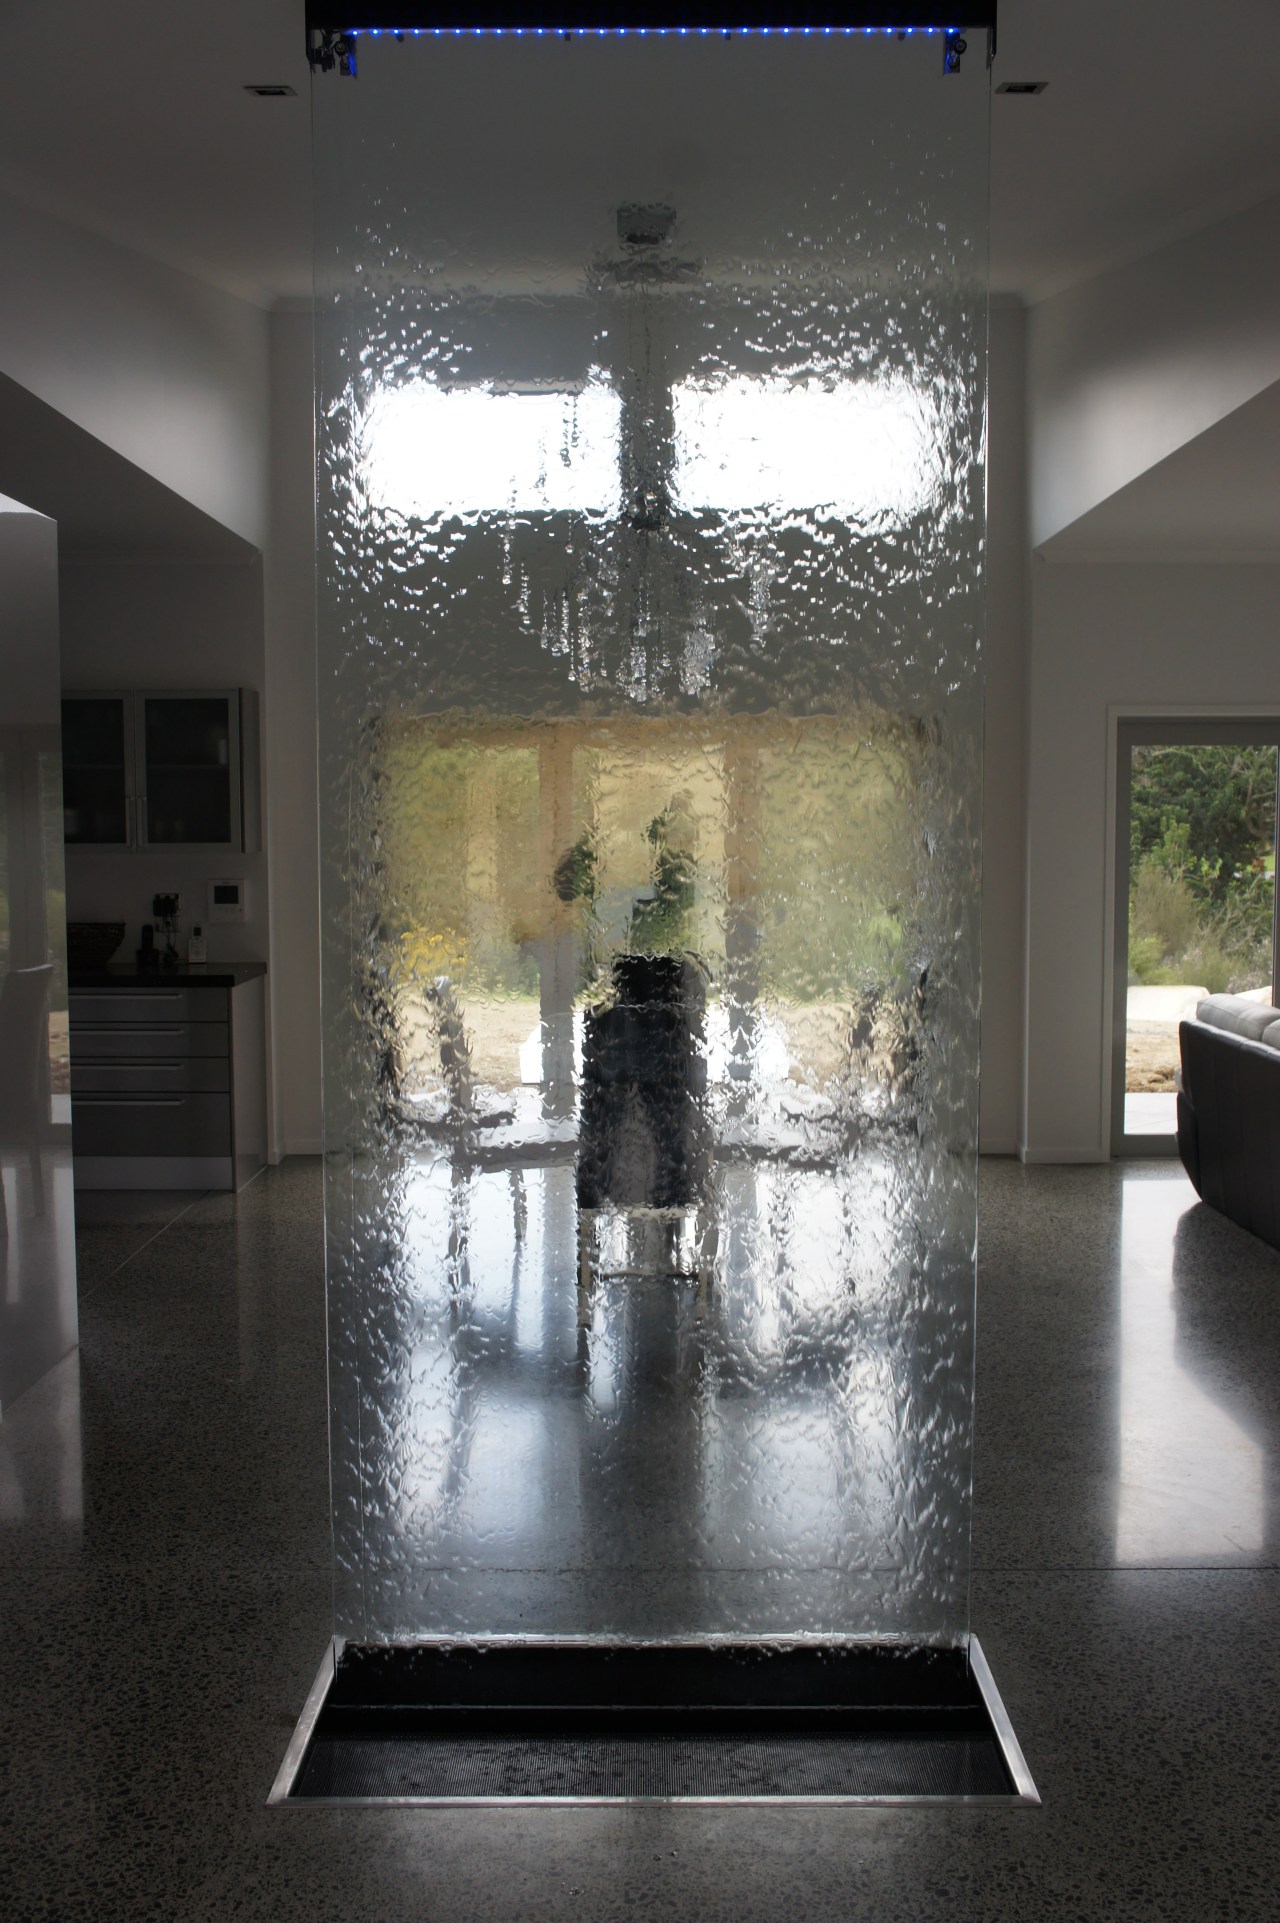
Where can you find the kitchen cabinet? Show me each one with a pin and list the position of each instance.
(168, 1077)
(154, 768)
(97, 769)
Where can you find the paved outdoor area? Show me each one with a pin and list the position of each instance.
(1152, 1053)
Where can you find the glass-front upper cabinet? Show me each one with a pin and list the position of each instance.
(97, 785)
(190, 750)
(168, 769)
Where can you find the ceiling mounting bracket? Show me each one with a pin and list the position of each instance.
(955, 46)
(328, 50)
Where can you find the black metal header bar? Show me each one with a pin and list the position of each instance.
(593, 16)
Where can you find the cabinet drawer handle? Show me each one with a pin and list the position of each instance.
(156, 1067)
(147, 995)
(147, 1066)
(125, 1028)
(129, 1101)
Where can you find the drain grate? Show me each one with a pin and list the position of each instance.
(462, 1724)
(600, 1767)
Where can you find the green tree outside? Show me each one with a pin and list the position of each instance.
(1201, 864)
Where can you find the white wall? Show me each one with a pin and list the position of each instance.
(290, 741)
(157, 625)
(168, 371)
(30, 605)
(1125, 368)
(1138, 636)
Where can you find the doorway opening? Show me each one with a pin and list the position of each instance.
(1195, 900)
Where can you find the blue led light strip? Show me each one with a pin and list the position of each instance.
(639, 33)
(336, 27)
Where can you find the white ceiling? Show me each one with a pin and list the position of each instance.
(1160, 117)
(131, 119)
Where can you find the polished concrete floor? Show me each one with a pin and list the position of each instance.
(164, 1599)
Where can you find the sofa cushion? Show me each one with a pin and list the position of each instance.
(1271, 1036)
(1238, 1015)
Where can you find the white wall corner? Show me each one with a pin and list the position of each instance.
(1128, 367)
(165, 369)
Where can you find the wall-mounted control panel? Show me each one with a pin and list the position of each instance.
(227, 900)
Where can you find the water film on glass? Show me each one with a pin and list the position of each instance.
(651, 392)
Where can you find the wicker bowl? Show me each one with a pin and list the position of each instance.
(91, 944)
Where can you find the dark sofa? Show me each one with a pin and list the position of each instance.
(1229, 1125)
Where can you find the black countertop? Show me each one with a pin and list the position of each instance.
(185, 975)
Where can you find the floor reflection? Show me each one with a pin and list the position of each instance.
(765, 1442)
(1192, 1477)
(45, 1487)
(37, 1268)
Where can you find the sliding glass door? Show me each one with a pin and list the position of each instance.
(1195, 900)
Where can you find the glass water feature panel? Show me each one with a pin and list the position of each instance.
(38, 1316)
(651, 396)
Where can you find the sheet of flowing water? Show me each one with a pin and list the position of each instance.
(650, 396)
